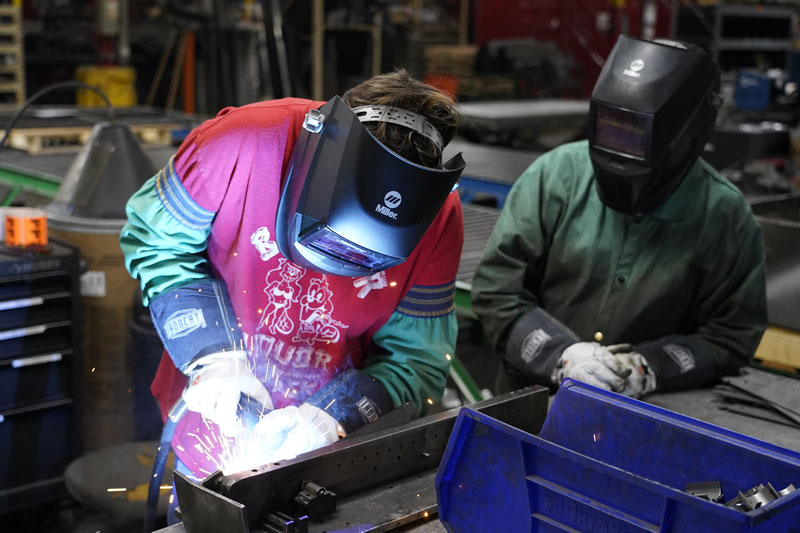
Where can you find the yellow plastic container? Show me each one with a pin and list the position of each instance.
(117, 82)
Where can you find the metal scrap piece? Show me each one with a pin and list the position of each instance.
(708, 490)
(756, 497)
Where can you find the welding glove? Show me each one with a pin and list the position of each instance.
(591, 363)
(216, 383)
(290, 431)
(642, 378)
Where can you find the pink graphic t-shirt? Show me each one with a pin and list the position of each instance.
(300, 327)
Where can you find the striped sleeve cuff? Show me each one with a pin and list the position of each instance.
(177, 201)
(429, 301)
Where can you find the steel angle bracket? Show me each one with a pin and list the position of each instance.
(208, 510)
(240, 502)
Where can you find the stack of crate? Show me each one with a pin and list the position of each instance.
(12, 59)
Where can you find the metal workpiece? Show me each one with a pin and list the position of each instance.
(757, 497)
(384, 468)
(708, 490)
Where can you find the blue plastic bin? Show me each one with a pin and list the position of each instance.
(604, 462)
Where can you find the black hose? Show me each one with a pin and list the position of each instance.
(53, 87)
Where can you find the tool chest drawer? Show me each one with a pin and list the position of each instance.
(40, 338)
(35, 378)
(35, 445)
(39, 372)
(54, 307)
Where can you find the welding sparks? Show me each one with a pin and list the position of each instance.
(116, 490)
(448, 356)
(425, 514)
(430, 401)
(165, 487)
(93, 370)
(326, 407)
(393, 284)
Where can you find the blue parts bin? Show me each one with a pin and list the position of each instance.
(605, 462)
(754, 90)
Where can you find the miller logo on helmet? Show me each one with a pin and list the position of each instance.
(634, 69)
(392, 199)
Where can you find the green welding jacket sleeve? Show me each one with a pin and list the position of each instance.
(504, 286)
(410, 356)
(160, 251)
(734, 316)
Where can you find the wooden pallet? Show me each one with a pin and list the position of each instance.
(12, 56)
(68, 139)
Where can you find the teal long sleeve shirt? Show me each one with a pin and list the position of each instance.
(684, 284)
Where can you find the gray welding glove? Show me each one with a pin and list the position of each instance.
(641, 378)
(290, 431)
(591, 363)
(217, 382)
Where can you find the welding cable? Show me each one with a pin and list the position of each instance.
(53, 87)
(159, 463)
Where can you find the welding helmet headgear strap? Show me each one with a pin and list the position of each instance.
(652, 110)
(350, 206)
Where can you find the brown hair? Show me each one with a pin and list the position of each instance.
(399, 89)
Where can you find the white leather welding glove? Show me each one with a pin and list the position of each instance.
(216, 383)
(591, 363)
(642, 378)
(290, 431)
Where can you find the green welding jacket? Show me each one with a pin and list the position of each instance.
(683, 284)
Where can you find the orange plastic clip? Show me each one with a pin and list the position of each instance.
(25, 226)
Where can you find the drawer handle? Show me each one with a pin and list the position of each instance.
(20, 303)
(22, 332)
(36, 360)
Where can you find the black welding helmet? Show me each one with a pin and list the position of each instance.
(350, 206)
(652, 110)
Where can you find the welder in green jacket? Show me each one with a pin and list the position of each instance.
(625, 261)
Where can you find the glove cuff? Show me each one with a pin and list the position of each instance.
(327, 423)
(678, 361)
(535, 343)
(353, 399)
(195, 320)
(205, 361)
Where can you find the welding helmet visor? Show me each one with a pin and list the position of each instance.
(350, 206)
(651, 112)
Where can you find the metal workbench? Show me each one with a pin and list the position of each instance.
(490, 170)
(505, 119)
(478, 224)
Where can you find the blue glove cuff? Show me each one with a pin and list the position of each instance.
(353, 398)
(194, 320)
